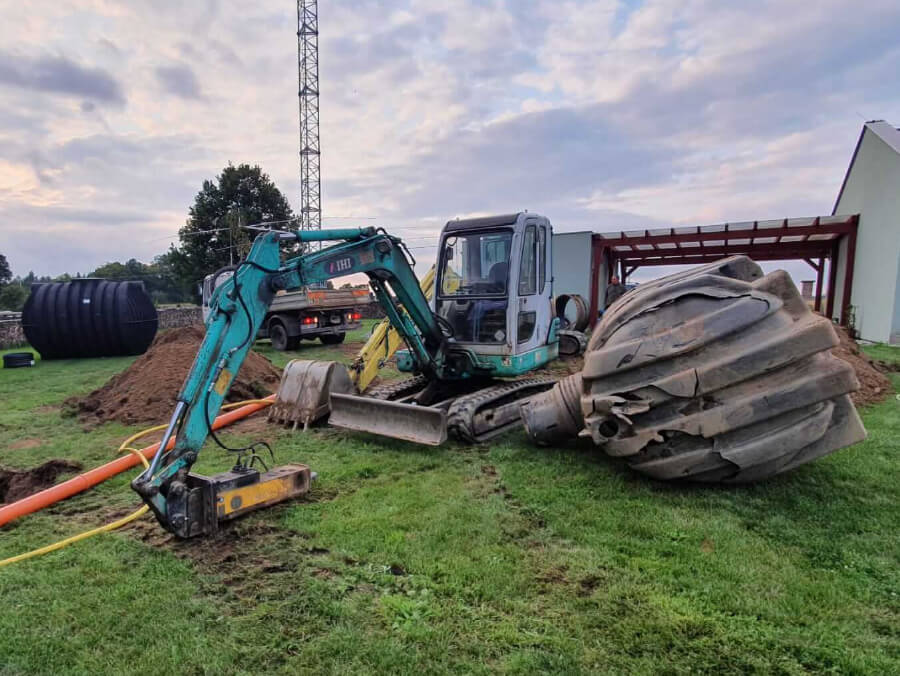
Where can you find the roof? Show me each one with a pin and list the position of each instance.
(886, 132)
(784, 239)
(482, 222)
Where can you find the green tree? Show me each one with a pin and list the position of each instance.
(5, 272)
(12, 297)
(213, 235)
(158, 277)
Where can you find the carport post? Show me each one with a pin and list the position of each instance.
(832, 278)
(848, 276)
(820, 278)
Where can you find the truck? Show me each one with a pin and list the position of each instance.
(306, 314)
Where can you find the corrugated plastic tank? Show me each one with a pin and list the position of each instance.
(89, 318)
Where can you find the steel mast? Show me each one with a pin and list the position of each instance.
(308, 69)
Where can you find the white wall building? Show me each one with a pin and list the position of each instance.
(871, 189)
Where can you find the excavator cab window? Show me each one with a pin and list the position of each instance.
(528, 266)
(476, 264)
(474, 275)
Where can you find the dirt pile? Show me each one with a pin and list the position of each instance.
(874, 386)
(145, 392)
(16, 484)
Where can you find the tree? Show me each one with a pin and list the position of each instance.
(158, 277)
(5, 272)
(213, 235)
(12, 297)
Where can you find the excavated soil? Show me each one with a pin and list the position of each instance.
(16, 484)
(145, 392)
(874, 386)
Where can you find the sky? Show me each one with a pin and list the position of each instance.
(602, 115)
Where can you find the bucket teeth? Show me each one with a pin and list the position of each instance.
(303, 396)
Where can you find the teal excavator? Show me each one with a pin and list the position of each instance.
(490, 322)
(716, 374)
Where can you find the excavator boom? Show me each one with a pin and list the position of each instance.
(189, 504)
(381, 345)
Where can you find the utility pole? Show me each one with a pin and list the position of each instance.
(308, 68)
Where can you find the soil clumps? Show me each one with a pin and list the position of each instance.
(874, 386)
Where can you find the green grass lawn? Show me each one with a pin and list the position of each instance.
(886, 353)
(407, 559)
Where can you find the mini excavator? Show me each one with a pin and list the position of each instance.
(717, 374)
(490, 322)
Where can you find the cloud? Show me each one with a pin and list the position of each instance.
(59, 75)
(179, 80)
(602, 114)
(534, 160)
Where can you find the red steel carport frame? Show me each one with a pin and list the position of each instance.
(813, 240)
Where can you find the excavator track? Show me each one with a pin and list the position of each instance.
(482, 415)
(472, 417)
(397, 388)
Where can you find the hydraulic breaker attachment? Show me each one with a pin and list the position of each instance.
(198, 506)
(409, 422)
(303, 395)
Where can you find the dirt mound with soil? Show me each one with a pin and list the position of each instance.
(874, 386)
(145, 392)
(16, 484)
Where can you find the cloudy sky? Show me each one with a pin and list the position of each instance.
(603, 115)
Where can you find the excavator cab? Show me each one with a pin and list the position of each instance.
(493, 290)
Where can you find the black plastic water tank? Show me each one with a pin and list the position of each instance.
(89, 318)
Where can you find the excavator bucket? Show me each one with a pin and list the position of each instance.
(409, 422)
(303, 395)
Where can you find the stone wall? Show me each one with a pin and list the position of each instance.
(174, 317)
(11, 334)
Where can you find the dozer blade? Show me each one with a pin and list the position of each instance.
(419, 424)
(303, 395)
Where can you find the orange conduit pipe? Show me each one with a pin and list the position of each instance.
(91, 478)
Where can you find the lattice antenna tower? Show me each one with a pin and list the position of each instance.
(308, 68)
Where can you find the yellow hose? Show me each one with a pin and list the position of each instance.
(75, 538)
(125, 520)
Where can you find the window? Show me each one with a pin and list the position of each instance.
(542, 259)
(528, 267)
(475, 264)
(527, 321)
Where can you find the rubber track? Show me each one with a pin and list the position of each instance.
(461, 416)
(398, 388)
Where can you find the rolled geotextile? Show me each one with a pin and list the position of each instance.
(91, 478)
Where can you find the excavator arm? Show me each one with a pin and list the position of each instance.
(382, 344)
(189, 504)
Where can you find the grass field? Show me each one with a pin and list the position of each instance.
(505, 558)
